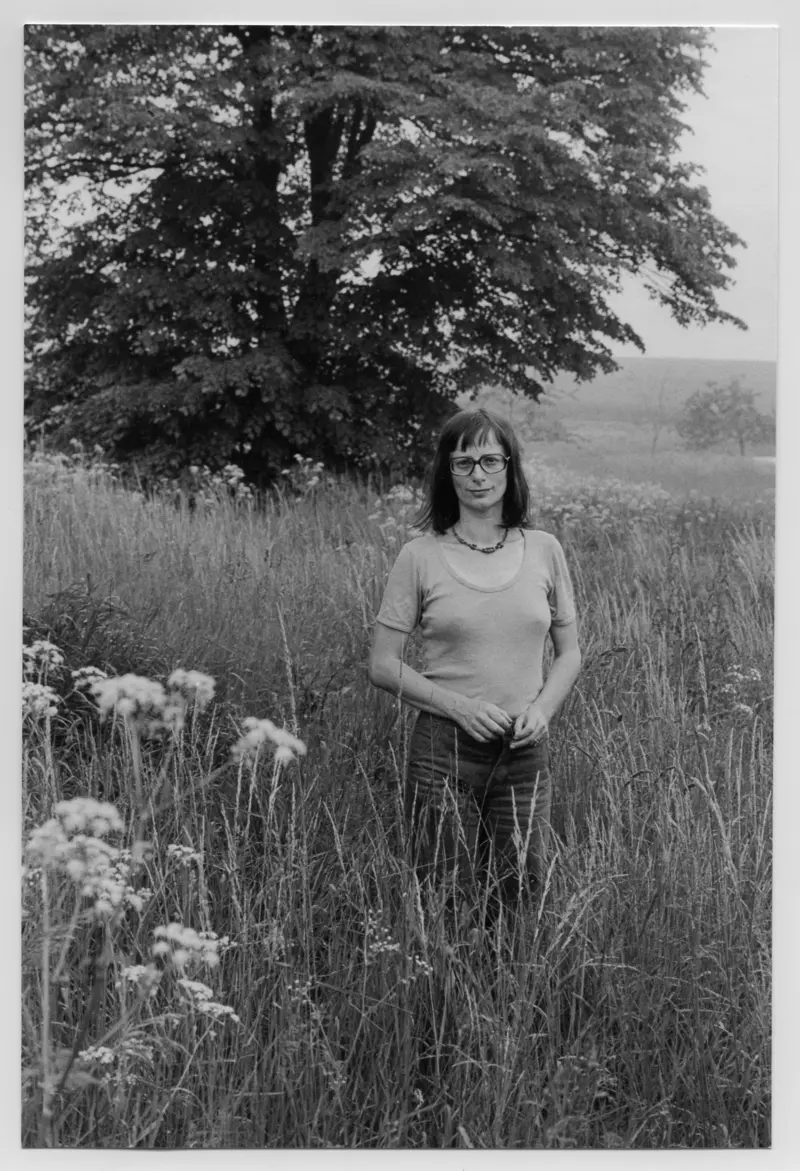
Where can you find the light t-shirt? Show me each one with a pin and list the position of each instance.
(486, 642)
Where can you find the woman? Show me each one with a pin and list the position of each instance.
(486, 589)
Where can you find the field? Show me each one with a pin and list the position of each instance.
(266, 971)
(622, 426)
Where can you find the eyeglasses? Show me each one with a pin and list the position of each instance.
(462, 465)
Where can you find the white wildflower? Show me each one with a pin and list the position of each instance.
(194, 685)
(223, 942)
(183, 855)
(145, 977)
(72, 843)
(129, 695)
(46, 844)
(40, 657)
(97, 1055)
(173, 716)
(184, 944)
(201, 997)
(379, 939)
(38, 700)
(84, 813)
(261, 731)
(145, 703)
(86, 676)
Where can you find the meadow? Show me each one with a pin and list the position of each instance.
(238, 953)
(622, 426)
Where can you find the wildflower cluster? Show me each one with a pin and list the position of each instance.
(38, 700)
(305, 475)
(741, 684)
(259, 732)
(85, 677)
(300, 991)
(147, 706)
(46, 681)
(394, 510)
(63, 470)
(113, 1065)
(201, 997)
(184, 946)
(73, 844)
(184, 856)
(97, 1055)
(379, 940)
(210, 488)
(399, 501)
(41, 658)
(568, 498)
(144, 977)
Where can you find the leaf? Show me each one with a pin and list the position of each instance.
(224, 222)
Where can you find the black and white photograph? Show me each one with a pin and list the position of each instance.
(398, 584)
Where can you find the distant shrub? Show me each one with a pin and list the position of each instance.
(720, 413)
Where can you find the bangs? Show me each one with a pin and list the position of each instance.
(472, 427)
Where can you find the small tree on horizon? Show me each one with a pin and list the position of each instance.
(720, 413)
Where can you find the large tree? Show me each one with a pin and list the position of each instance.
(310, 239)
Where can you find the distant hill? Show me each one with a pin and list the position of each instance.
(638, 384)
(642, 390)
(622, 425)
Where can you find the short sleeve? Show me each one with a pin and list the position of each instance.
(560, 595)
(400, 607)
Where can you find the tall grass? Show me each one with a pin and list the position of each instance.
(633, 1009)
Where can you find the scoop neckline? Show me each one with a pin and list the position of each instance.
(471, 585)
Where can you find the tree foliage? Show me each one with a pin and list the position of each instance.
(721, 413)
(249, 241)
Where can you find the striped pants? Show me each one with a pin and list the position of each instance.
(478, 811)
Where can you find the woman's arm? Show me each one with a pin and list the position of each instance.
(534, 721)
(483, 721)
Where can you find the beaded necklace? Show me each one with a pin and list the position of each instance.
(480, 548)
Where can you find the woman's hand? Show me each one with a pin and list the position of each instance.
(529, 727)
(483, 721)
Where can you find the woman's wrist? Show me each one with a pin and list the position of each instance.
(450, 704)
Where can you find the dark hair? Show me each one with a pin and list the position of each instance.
(462, 430)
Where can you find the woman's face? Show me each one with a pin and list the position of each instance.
(481, 491)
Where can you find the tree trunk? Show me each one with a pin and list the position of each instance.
(324, 134)
(265, 167)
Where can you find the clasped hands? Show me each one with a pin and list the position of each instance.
(486, 721)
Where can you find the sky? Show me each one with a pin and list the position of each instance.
(735, 139)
